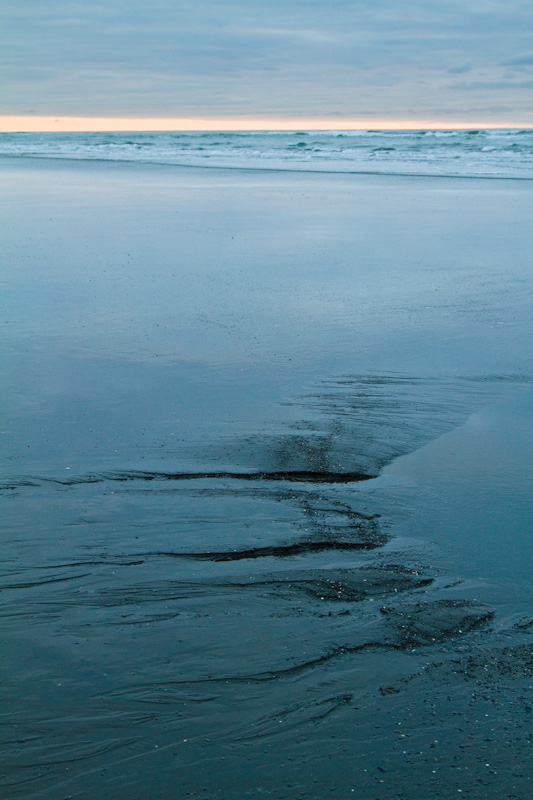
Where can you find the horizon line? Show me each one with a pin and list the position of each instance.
(76, 124)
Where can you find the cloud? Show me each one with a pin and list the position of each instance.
(460, 69)
(475, 86)
(519, 61)
(312, 56)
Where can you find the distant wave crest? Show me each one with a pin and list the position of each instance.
(468, 153)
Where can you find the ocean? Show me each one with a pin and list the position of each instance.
(267, 437)
(466, 153)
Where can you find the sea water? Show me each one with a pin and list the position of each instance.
(483, 153)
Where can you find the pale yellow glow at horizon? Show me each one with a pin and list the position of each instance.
(37, 124)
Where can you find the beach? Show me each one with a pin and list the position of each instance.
(265, 484)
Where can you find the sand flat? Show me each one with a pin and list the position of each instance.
(246, 416)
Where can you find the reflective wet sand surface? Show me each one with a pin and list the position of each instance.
(265, 485)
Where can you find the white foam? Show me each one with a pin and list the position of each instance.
(483, 153)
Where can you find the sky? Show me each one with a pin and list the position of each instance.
(366, 61)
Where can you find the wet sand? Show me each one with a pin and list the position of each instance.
(265, 485)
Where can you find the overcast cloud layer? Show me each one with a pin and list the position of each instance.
(404, 59)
